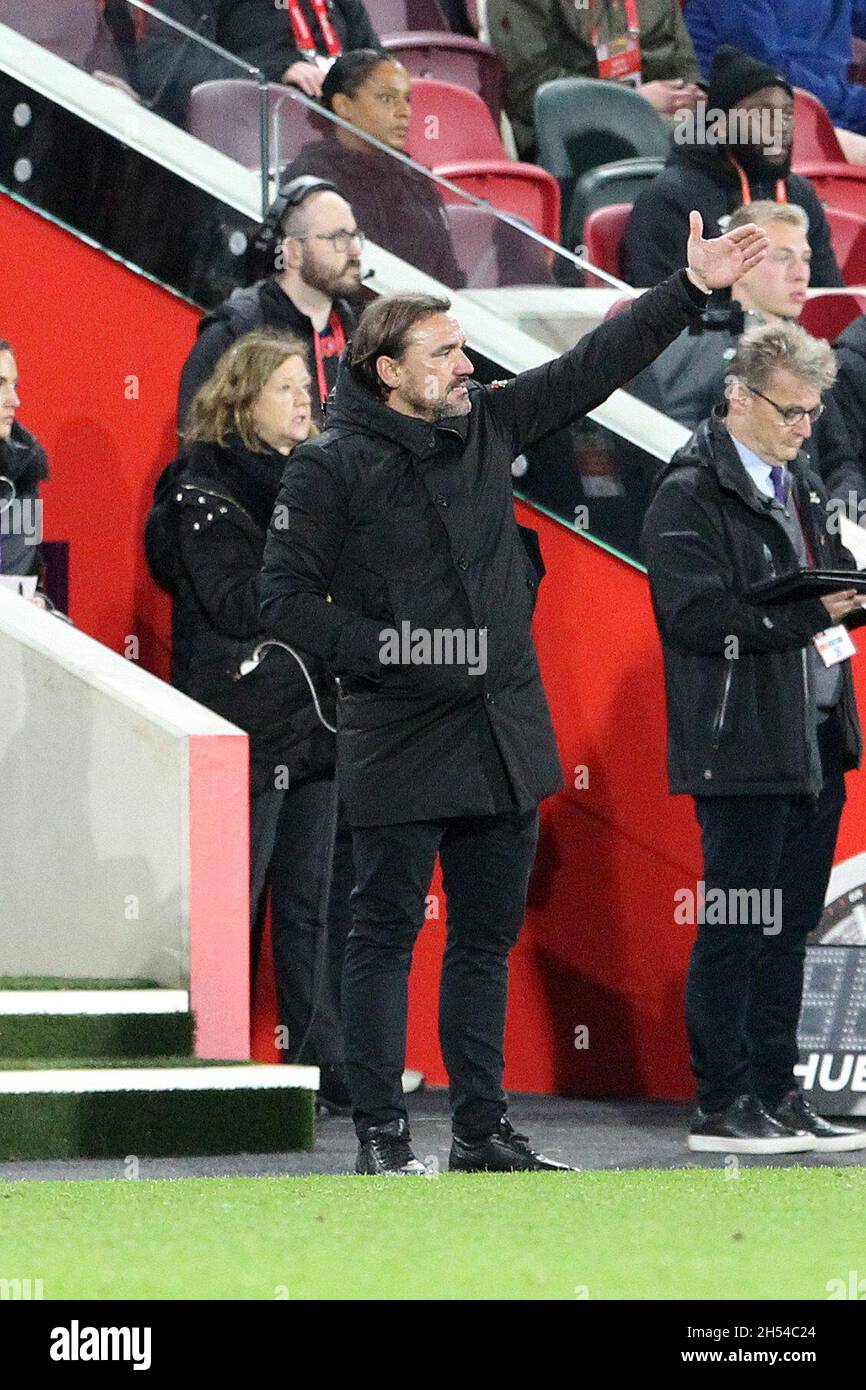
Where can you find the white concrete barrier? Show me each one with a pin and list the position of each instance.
(123, 823)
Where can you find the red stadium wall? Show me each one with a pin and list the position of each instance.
(100, 350)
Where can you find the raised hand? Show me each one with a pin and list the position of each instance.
(721, 261)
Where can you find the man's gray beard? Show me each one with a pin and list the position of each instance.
(434, 413)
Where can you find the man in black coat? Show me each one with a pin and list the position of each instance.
(718, 178)
(395, 556)
(760, 731)
(317, 246)
(288, 41)
(840, 439)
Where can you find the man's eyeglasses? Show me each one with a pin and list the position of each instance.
(341, 241)
(792, 414)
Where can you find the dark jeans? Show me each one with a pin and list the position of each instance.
(289, 854)
(745, 983)
(486, 862)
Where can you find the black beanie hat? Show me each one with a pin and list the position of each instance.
(734, 75)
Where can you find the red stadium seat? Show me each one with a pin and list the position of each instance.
(453, 58)
(450, 123)
(829, 314)
(838, 185)
(814, 136)
(399, 16)
(848, 234)
(225, 114)
(452, 131)
(603, 232)
(521, 189)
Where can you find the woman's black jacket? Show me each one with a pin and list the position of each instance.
(224, 498)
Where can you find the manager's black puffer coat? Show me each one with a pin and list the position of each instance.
(402, 521)
(224, 501)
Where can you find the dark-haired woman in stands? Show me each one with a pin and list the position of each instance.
(398, 208)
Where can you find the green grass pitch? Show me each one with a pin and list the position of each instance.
(764, 1234)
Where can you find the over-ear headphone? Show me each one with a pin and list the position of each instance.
(263, 248)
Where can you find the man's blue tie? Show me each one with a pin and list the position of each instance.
(778, 476)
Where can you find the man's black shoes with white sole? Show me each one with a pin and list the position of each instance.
(504, 1151)
(796, 1112)
(747, 1128)
(385, 1150)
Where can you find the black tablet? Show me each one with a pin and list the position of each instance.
(804, 584)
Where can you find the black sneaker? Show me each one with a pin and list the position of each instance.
(504, 1151)
(795, 1111)
(746, 1128)
(386, 1150)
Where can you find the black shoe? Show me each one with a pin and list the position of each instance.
(386, 1150)
(503, 1151)
(794, 1110)
(333, 1094)
(747, 1128)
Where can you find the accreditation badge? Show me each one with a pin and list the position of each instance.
(834, 644)
(618, 58)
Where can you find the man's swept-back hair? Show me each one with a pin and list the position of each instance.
(383, 331)
(782, 347)
(764, 211)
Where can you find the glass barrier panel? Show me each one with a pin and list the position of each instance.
(139, 209)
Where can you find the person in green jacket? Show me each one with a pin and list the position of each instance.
(643, 42)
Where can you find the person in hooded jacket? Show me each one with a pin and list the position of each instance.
(810, 41)
(717, 178)
(243, 425)
(400, 563)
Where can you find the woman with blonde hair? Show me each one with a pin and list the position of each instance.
(205, 541)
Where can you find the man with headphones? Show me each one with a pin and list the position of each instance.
(309, 251)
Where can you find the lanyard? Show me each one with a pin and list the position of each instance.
(618, 59)
(337, 339)
(303, 34)
(746, 190)
(809, 555)
(631, 19)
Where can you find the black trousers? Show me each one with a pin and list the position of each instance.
(486, 862)
(289, 853)
(745, 982)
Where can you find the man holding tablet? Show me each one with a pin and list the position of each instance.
(762, 725)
